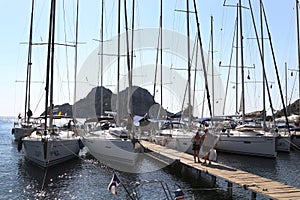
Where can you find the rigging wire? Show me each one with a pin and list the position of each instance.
(66, 49)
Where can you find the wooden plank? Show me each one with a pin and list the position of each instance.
(294, 195)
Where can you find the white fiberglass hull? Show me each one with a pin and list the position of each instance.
(264, 146)
(47, 151)
(111, 151)
(21, 132)
(283, 143)
(295, 140)
(176, 139)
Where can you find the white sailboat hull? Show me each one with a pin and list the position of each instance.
(177, 139)
(21, 132)
(283, 143)
(182, 144)
(295, 139)
(264, 146)
(47, 152)
(111, 151)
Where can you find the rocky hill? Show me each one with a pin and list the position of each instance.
(292, 108)
(141, 102)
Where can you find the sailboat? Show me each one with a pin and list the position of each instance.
(178, 134)
(25, 125)
(174, 133)
(244, 137)
(55, 140)
(105, 139)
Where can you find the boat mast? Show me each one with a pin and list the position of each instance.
(29, 64)
(159, 49)
(261, 56)
(52, 67)
(188, 60)
(212, 63)
(242, 61)
(298, 43)
(203, 61)
(129, 68)
(118, 63)
(101, 57)
(76, 57)
(161, 58)
(49, 62)
(263, 64)
(275, 66)
(131, 57)
(237, 61)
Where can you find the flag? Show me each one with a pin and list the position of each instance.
(114, 183)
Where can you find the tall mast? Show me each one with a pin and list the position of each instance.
(52, 66)
(212, 63)
(298, 42)
(188, 59)
(49, 54)
(132, 34)
(286, 95)
(242, 61)
(76, 56)
(159, 51)
(161, 58)
(203, 61)
(237, 61)
(101, 56)
(263, 64)
(261, 55)
(29, 64)
(118, 63)
(128, 60)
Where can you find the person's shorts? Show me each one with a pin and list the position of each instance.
(196, 147)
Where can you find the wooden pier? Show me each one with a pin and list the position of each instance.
(256, 184)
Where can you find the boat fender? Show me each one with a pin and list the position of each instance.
(20, 142)
(12, 131)
(80, 143)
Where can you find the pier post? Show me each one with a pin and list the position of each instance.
(253, 195)
(229, 188)
(214, 180)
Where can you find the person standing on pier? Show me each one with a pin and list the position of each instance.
(196, 140)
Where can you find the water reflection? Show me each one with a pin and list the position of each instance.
(49, 182)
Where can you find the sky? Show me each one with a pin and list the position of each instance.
(15, 18)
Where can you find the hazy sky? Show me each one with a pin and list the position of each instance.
(15, 17)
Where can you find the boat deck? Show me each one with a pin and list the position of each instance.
(257, 184)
